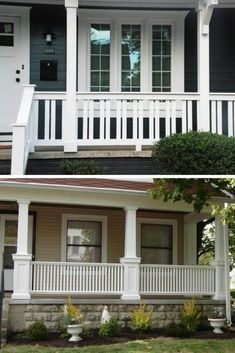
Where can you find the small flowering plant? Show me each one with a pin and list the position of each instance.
(72, 314)
(217, 313)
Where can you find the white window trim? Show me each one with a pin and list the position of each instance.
(82, 217)
(172, 222)
(115, 18)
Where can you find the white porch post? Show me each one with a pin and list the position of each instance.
(22, 259)
(219, 261)
(131, 261)
(69, 126)
(205, 11)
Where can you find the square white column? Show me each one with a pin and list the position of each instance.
(203, 67)
(22, 260)
(69, 126)
(205, 11)
(219, 261)
(130, 261)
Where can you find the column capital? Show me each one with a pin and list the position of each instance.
(23, 202)
(71, 3)
(130, 208)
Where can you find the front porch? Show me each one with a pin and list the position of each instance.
(74, 237)
(120, 79)
(113, 121)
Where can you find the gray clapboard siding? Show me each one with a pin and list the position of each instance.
(41, 18)
(222, 51)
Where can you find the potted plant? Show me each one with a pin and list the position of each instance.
(73, 319)
(217, 319)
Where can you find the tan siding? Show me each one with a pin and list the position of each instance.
(48, 229)
(48, 239)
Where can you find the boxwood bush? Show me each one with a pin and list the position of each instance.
(195, 153)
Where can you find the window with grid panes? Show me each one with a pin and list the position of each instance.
(100, 57)
(156, 243)
(6, 34)
(131, 58)
(161, 58)
(84, 241)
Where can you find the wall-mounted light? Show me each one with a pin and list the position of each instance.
(49, 35)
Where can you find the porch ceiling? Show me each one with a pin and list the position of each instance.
(123, 3)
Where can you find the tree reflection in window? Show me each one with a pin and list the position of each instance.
(100, 57)
(131, 57)
(84, 241)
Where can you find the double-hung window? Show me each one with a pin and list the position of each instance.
(83, 241)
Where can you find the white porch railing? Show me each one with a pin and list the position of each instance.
(63, 277)
(110, 119)
(136, 119)
(222, 119)
(60, 277)
(177, 280)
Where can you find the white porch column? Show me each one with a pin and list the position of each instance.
(22, 259)
(219, 261)
(131, 261)
(205, 11)
(69, 126)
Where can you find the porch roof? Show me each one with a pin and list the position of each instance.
(123, 184)
(100, 183)
(124, 4)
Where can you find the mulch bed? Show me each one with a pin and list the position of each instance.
(55, 341)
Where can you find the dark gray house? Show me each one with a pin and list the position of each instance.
(113, 75)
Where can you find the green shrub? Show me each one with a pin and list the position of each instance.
(177, 330)
(140, 320)
(80, 167)
(109, 329)
(37, 331)
(190, 316)
(195, 153)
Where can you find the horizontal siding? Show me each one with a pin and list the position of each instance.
(48, 237)
(43, 17)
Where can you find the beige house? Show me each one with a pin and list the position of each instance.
(102, 241)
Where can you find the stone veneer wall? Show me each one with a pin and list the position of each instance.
(21, 316)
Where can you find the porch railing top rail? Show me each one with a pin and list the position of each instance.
(76, 263)
(179, 266)
(140, 95)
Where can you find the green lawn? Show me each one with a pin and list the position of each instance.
(160, 345)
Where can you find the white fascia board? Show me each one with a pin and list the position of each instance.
(83, 196)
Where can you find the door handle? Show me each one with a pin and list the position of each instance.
(17, 79)
(17, 72)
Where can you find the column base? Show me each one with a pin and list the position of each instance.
(21, 297)
(219, 297)
(130, 296)
(70, 147)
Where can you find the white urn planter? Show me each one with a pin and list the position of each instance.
(217, 324)
(74, 331)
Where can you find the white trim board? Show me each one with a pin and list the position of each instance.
(82, 217)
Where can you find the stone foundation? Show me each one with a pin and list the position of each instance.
(21, 316)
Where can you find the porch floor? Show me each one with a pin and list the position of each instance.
(104, 300)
